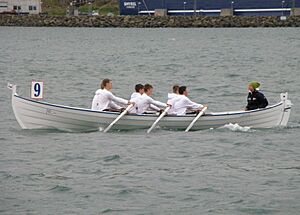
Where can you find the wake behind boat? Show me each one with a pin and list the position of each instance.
(33, 114)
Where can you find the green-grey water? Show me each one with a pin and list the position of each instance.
(219, 171)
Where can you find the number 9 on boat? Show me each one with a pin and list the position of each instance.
(37, 89)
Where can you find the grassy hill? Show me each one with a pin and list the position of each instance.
(59, 7)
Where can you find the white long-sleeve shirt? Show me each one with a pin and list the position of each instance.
(171, 98)
(181, 104)
(135, 97)
(104, 99)
(145, 102)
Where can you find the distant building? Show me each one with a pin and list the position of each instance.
(21, 6)
(209, 7)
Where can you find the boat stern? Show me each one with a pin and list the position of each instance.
(287, 106)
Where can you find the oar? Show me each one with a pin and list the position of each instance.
(196, 118)
(119, 117)
(159, 118)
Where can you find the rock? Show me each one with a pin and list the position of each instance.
(147, 21)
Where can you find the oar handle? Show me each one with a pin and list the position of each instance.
(195, 119)
(159, 118)
(119, 117)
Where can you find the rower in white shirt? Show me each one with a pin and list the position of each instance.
(172, 96)
(146, 103)
(182, 103)
(136, 96)
(104, 100)
(139, 90)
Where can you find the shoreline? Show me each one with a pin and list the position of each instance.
(148, 21)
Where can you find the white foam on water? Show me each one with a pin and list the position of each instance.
(236, 127)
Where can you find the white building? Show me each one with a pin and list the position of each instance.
(21, 6)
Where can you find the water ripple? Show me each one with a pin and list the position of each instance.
(60, 188)
(111, 158)
(205, 189)
(114, 211)
(257, 211)
(58, 177)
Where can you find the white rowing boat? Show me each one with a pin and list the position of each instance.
(33, 114)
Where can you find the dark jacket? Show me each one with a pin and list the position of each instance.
(256, 100)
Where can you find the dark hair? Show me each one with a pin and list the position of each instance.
(182, 89)
(104, 82)
(175, 88)
(147, 87)
(138, 87)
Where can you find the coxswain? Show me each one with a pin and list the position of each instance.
(255, 99)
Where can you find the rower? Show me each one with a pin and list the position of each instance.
(172, 96)
(182, 103)
(104, 100)
(135, 97)
(139, 90)
(145, 103)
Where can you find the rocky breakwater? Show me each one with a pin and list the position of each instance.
(147, 21)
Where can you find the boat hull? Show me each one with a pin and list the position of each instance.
(32, 114)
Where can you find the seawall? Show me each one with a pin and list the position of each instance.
(147, 21)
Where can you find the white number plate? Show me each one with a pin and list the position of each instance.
(37, 89)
